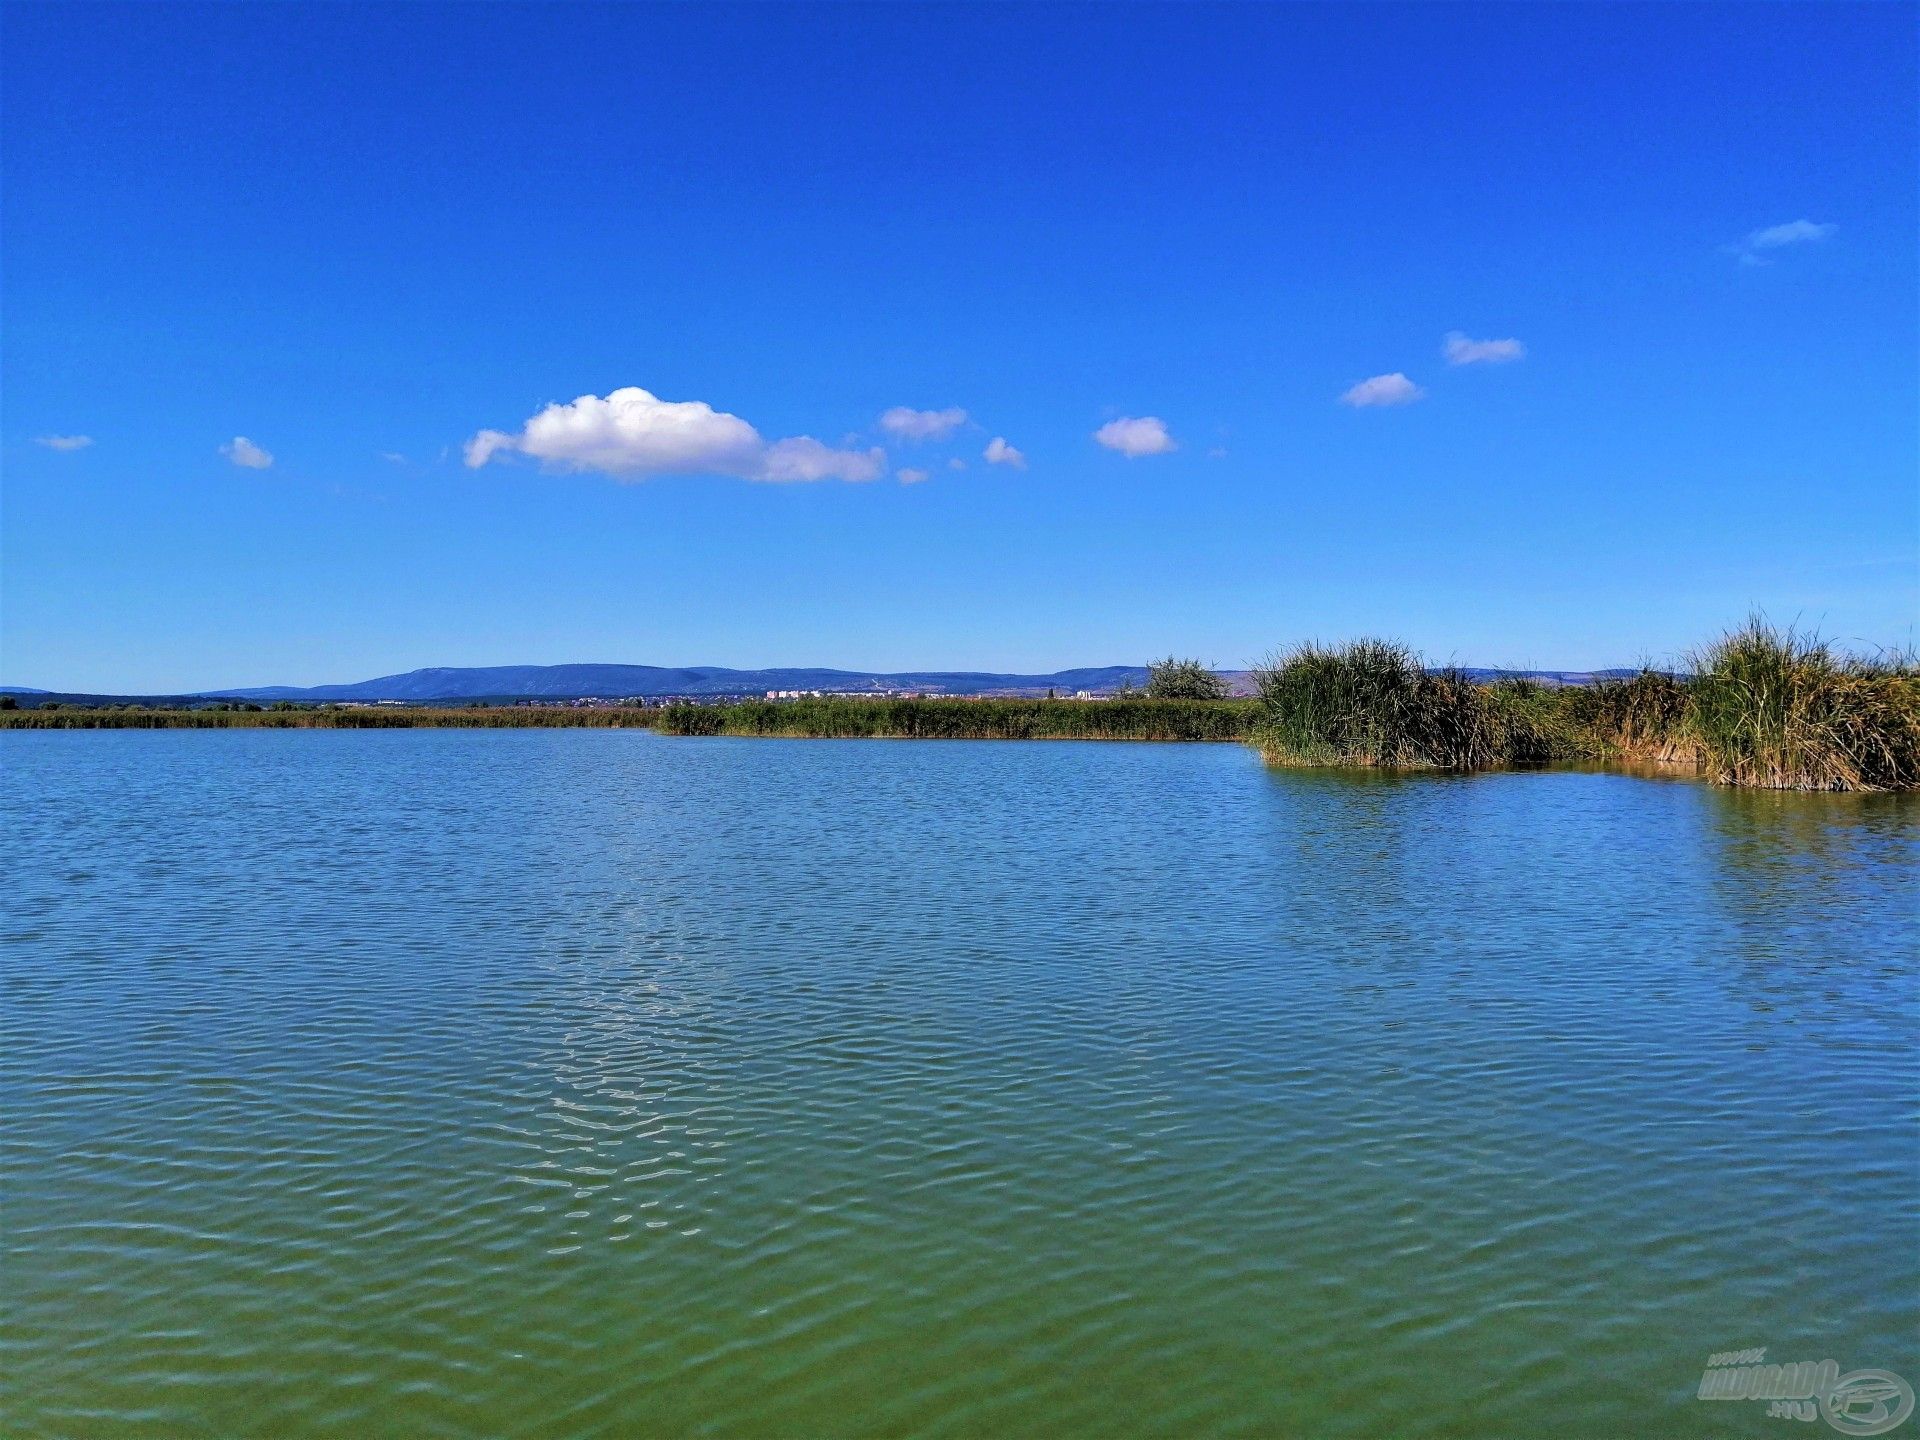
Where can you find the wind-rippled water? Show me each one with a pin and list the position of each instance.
(587, 1082)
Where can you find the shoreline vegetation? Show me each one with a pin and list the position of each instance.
(1760, 708)
(330, 716)
(1124, 717)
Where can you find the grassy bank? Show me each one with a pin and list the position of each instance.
(962, 719)
(1762, 708)
(345, 717)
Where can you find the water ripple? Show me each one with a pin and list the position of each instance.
(586, 1082)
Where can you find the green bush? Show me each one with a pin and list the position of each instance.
(1172, 679)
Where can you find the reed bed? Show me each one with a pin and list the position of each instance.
(830, 716)
(1778, 710)
(1375, 703)
(1762, 707)
(1643, 718)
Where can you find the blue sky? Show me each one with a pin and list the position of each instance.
(358, 238)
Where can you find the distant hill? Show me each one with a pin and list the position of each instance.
(567, 682)
(1547, 677)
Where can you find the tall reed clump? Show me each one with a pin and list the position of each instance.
(1776, 709)
(1372, 702)
(1534, 724)
(1640, 718)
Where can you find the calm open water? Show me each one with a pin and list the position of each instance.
(585, 1082)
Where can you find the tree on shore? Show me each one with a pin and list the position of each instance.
(1172, 679)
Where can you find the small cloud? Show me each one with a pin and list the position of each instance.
(632, 434)
(1459, 350)
(1218, 452)
(247, 455)
(905, 424)
(999, 452)
(393, 457)
(64, 442)
(806, 459)
(1394, 389)
(1753, 249)
(913, 477)
(1134, 438)
(956, 463)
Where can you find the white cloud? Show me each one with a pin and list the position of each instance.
(632, 434)
(905, 424)
(393, 457)
(64, 442)
(247, 455)
(804, 458)
(1752, 250)
(999, 452)
(1459, 350)
(956, 463)
(1134, 438)
(913, 477)
(1218, 452)
(1394, 389)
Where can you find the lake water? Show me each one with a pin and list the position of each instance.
(576, 1082)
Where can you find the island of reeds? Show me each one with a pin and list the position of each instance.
(1762, 707)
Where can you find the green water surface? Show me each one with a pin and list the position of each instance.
(575, 1082)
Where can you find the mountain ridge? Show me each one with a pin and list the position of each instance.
(601, 681)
